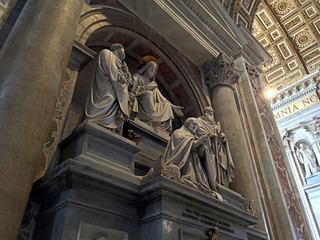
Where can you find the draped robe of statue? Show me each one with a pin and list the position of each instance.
(180, 152)
(150, 105)
(219, 164)
(107, 103)
(307, 157)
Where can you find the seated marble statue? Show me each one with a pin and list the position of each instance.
(107, 102)
(219, 164)
(182, 152)
(150, 105)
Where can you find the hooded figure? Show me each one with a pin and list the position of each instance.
(183, 151)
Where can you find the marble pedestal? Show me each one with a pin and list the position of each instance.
(153, 142)
(93, 193)
(312, 190)
(96, 146)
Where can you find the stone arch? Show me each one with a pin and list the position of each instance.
(101, 26)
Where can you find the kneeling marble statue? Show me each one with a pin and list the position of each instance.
(150, 105)
(182, 162)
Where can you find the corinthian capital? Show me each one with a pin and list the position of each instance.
(220, 72)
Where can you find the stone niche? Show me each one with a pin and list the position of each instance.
(94, 194)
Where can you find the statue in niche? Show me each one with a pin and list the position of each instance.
(308, 159)
(150, 105)
(219, 164)
(213, 234)
(182, 158)
(107, 102)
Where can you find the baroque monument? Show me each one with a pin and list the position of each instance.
(107, 134)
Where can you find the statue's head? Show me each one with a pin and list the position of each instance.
(118, 50)
(149, 70)
(302, 145)
(208, 114)
(192, 124)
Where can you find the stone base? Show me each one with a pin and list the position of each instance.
(312, 191)
(81, 201)
(96, 145)
(153, 144)
(313, 179)
(93, 194)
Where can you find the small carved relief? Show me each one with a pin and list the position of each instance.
(282, 7)
(250, 208)
(303, 39)
(214, 234)
(315, 127)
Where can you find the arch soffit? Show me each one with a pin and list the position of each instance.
(184, 85)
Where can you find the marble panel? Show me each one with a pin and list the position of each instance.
(94, 144)
(153, 142)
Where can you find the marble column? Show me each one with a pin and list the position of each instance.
(32, 65)
(220, 77)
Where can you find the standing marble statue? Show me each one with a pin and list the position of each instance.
(183, 152)
(150, 105)
(107, 103)
(219, 164)
(308, 159)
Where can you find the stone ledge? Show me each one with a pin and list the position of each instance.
(93, 144)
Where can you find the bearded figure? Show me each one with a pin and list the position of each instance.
(107, 102)
(150, 105)
(219, 164)
(183, 152)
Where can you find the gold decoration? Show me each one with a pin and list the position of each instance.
(303, 39)
(282, 7)
(144, 60)
(213, 234)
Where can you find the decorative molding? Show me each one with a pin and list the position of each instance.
(277, 153)
(205, 21)
(221, 72)
(296, 91)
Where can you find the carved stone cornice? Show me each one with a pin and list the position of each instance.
(220, 72)
(295, 91)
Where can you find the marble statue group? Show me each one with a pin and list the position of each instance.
(108, 101)
(197, 154)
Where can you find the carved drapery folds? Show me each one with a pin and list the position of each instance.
(221, 72)
(276, 152)
(303, 146)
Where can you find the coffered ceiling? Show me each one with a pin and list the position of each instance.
(288, 29)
